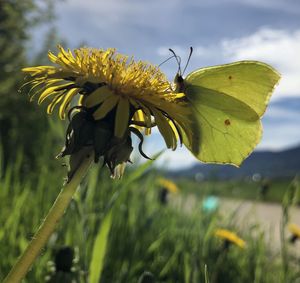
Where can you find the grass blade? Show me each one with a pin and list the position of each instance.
(99, 249)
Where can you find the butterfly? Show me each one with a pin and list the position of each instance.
(228, 102)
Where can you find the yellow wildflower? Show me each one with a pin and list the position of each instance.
(137, 91)
(230, 237)
(111, 96)
(295, 231)
(168, 185)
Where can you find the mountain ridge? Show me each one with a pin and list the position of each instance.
(271, 164)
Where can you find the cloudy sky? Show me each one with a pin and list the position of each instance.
(220, 31)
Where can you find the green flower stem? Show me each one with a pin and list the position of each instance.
(47, 227)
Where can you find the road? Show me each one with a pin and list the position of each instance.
(267, 215)
(247, 213)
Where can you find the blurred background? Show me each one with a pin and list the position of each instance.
(170, 235)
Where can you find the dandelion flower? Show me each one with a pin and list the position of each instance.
(168, 185)
(295, 231)
(108, 96)
(230, 238)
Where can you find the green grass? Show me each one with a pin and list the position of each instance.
(119, 230)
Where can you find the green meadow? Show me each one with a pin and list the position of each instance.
(120, 231)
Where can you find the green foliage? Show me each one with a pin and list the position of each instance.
(22, 124)
(99, 249)
(143, 237)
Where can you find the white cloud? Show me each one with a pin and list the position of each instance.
(277, 47)
(179, 159)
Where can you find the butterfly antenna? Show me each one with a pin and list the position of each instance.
(178, 59)
(187, 63)
(166, 60)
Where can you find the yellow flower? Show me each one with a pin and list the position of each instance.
(168, 185)
(230, 237)
(112, 96)
(137, 92)
(295, 230)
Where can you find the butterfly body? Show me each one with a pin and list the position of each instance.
(179, 83)
(228, 102)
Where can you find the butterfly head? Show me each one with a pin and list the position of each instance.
(179, 80)
(179, 83)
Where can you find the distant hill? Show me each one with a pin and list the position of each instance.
(271, 164)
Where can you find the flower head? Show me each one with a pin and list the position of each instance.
(107, 96)
(295, 231)
(168, 185)
(230, 237)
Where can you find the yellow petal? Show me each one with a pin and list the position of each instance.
(174, 129)
(122, 117)
(147, 117)
(54, 102)
(106, 107)
(52, 57)
(36, 70)
(147, 114)
(66, 58)
(139, 115)
(68, 97)
(98, 96)
(50, 90)
(81, 99)
(165, 129)
(33, 89)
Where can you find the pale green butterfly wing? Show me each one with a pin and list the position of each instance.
(251, 82)
(226, 129)
(228, 101)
